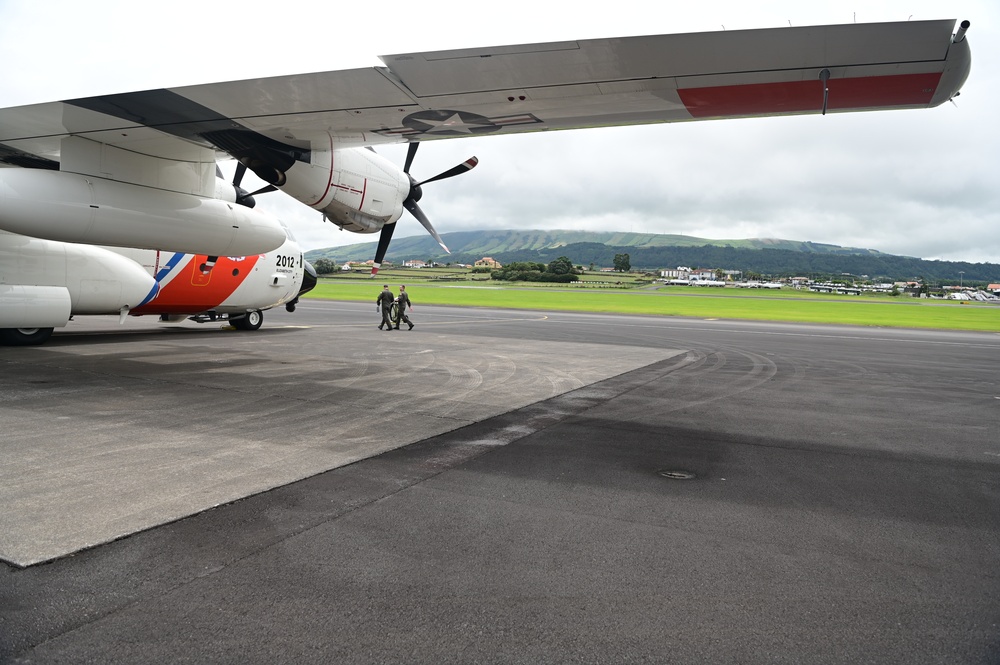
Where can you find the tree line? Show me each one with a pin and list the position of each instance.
(775, 263)
(559, 270)
(770, 262)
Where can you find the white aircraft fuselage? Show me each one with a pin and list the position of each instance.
(45, 283)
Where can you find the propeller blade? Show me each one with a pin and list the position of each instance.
(411, 150)
(415, 193)
(264, 190)
(241, 170)
(422, 218)
(383, 246)
(467, 165)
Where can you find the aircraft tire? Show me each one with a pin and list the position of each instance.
(252, 321)
(24, 336)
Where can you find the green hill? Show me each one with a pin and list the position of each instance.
(648, 251)
(486, 242)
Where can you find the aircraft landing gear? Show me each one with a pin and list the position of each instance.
(251, 321)
(24, 336)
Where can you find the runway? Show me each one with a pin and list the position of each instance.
(500, 487)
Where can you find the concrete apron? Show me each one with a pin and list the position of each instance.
(106, 439)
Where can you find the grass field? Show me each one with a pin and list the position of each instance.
(705, 303)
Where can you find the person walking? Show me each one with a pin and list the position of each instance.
(384, 303)
(401, 304)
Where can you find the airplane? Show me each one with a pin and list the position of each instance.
(136, 169)
(65, 280)
(235, 289)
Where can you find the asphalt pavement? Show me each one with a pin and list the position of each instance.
(528, 488)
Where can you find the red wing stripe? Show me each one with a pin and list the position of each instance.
(801, 96)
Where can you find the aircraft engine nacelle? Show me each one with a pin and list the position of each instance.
(68, 207)
(356, 189)
(43, 283)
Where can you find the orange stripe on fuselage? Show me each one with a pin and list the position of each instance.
(193, 290)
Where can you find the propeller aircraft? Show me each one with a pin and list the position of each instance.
(138, 169)
(65, 280)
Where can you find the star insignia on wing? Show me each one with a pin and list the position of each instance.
(449, 123)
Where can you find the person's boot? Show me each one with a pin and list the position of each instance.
(411, 326)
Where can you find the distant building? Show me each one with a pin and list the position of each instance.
(703, 274)
(994, 288)
(488, 262)
(356, 265)
(415, 263)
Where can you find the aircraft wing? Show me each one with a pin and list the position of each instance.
(506, 89)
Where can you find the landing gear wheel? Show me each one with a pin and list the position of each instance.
(24, 336)
(393, 312)
(252, 321)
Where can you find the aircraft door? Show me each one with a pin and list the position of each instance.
(201, 270)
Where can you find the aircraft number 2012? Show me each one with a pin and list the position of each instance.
(284, 261)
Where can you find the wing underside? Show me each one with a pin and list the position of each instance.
(447, 94)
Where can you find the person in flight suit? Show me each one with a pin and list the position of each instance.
(401, 304)
(384, 302)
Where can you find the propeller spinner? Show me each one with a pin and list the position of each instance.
(410, 203)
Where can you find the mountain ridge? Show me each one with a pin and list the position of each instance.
(647, 251)
(473, 242)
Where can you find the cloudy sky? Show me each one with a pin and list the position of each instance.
(920, 183)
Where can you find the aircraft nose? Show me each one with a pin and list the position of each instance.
(309, 278)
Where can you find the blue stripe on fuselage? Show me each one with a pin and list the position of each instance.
(170, 265)
(153, 292)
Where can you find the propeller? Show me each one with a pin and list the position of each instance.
(410, 203)
(243, 197)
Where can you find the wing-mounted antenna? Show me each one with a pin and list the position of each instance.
(962, 29)
(824, 76)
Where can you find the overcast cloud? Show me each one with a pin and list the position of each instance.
(918, 183)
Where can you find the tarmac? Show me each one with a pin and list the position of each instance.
(116, 438)
(499, 486)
